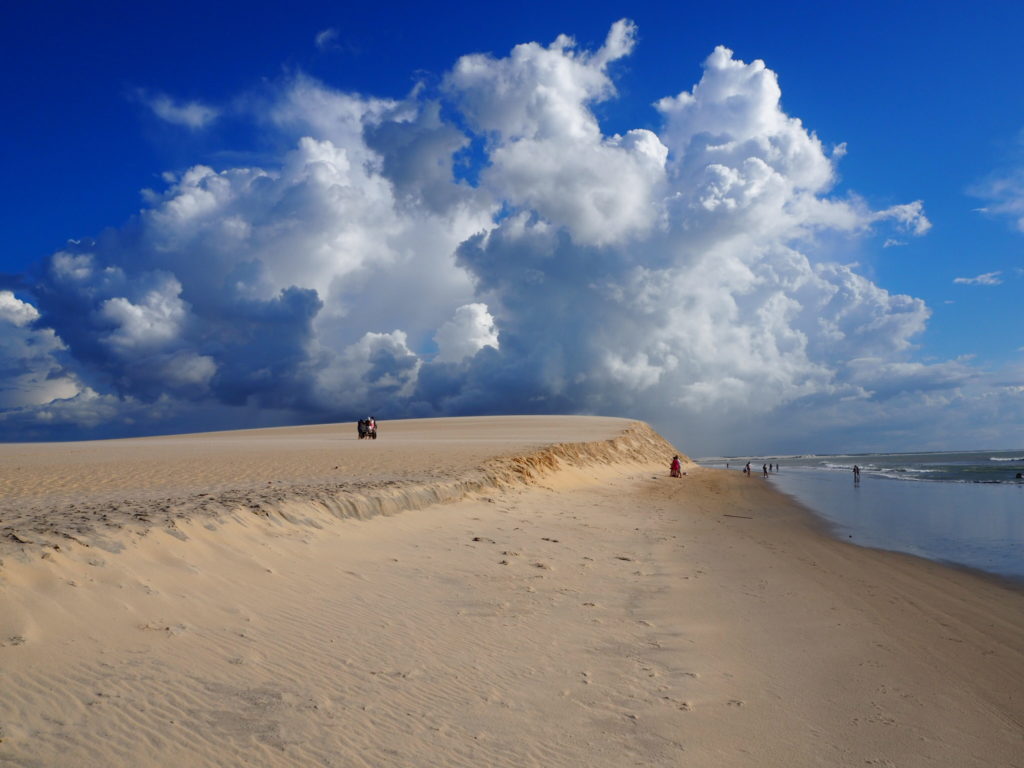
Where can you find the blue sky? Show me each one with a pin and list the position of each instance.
(112, 101)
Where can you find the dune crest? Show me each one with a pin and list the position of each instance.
(34, 523)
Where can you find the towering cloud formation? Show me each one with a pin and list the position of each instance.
(484, 247)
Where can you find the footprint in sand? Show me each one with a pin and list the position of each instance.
(685, 706)
(172, 630)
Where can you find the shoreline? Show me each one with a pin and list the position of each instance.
(908, 636)
(832, 530)
(580, 609)
(958, 525)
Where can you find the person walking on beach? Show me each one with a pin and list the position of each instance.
(856, 474)
(675, 470)
(764, 470)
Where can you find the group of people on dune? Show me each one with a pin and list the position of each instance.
(368, 428)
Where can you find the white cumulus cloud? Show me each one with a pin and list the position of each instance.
(910, 216)
(672, 271)
(470, 330)
(31, 372)
(190, 114)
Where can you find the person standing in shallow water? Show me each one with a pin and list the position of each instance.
(764, 470)
(856, 474)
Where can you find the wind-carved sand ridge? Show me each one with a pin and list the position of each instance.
(569, 604)
(34, 519)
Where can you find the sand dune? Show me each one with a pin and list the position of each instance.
(569, 605)
(53, 494)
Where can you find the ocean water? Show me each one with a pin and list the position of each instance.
(963, 508)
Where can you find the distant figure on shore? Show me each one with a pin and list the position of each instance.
(856, 474)
(727, 465)
(746, 469)
(675, 470)
(764, 470)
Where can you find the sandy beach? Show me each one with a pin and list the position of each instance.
(504, 591)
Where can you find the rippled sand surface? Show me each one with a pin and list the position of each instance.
(480, 592)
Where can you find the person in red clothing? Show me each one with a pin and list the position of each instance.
(676, 467)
